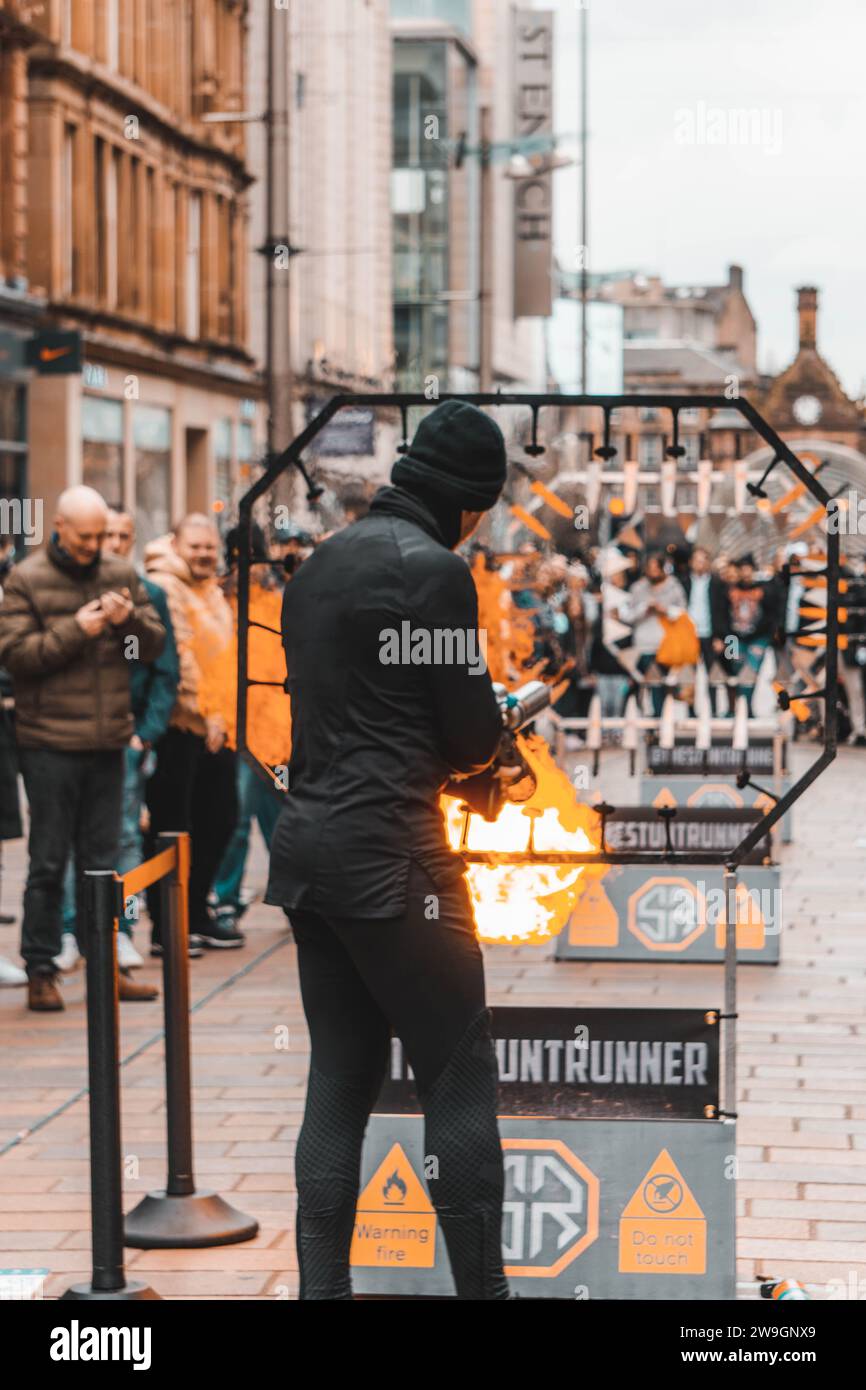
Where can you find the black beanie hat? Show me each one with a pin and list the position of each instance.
(457, 454)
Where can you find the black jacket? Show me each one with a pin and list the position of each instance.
(374, 743)
(754, 610)
(720, 603)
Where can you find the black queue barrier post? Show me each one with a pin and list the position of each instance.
(106, 1189)
(179, 1217)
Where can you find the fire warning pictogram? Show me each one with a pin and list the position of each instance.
(395, 1224)
(595, 920)
(663, 1230)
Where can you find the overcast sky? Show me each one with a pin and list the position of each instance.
(788, 206)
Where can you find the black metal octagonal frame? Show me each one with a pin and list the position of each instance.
(782, 455)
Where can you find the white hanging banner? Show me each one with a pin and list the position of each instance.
(533, 196)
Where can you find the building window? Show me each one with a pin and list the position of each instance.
(649, 450)
(13, 446)
(151, 437)
(136, 269)
(245, 442)
(102, 447)
(421, 210)
(692, 445)
(111, 174)
(112, 33)
(150, 232)
(192, 317)
(99, 180)
(223, 480)
(68, 174)
(225, 268)
(456, 12)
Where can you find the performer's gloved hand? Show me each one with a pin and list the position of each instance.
(511, 770)
(508, 778)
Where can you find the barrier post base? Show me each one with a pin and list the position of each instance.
(133, 1291)
(161, 1222)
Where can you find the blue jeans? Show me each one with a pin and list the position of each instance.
(753, 659)
(657, 692)
(255, 798)
(129, 848)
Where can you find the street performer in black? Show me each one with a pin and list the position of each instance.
(377, 900)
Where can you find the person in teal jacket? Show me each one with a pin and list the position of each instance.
(152, 688)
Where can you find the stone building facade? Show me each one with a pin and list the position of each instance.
(129, 227)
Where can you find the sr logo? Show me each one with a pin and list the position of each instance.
(550, 1213)
(716, 796)
(667, 913)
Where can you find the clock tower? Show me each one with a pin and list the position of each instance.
(806, 400)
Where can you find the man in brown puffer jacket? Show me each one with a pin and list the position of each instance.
(71, 622)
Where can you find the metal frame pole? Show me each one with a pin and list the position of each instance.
(108, 1280)
(179, 1217)
(175, 974)
(730, 1012)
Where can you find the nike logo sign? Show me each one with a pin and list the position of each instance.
(49, 354)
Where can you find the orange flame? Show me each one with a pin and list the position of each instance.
(510, 630)
(526, 903)
(269, 719)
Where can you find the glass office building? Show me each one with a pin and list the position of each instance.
(435, 197)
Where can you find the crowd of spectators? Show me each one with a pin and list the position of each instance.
(623, 621)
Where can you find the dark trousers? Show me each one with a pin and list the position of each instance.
(421, 976)
(658, 692)
(75, 803)
(193, 790)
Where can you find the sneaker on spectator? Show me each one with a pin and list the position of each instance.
(11, 975)
(196, 947)
(220, 935)
(70, 956)
(127, 956)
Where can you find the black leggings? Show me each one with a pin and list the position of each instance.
(421, 976)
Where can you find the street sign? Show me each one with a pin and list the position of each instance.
(55, 352)
(533, 195)
(717, 792)
(577, 1062)
(692, 830)
(611, 1209)
(663, 1229)
(686, 757)
(395, 1222)
(348, 434)
(674, 914)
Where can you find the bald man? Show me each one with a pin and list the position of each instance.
(72, 621)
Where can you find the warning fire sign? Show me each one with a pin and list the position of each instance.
(663, 1230)
(395, 1224)
(591, 1207)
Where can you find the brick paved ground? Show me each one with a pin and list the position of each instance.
(802, 1079)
